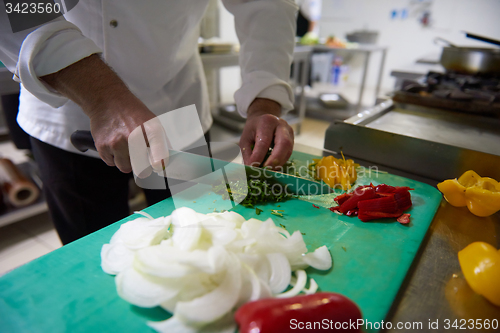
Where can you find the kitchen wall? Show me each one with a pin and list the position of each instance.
(405, 36)
(407, 39)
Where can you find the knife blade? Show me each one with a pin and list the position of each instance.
(293, 184)
(192, 166)
(188, 165)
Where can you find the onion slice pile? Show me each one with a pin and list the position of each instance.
(203, 267)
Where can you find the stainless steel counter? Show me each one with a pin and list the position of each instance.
(435, 288)
(431, 145)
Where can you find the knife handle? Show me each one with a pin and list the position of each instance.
(83, 141)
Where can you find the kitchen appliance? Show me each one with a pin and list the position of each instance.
(475, 94)
(469, 60)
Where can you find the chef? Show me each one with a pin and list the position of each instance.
(109, 66)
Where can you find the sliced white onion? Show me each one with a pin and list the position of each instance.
(250, 228)
(313, 287)
(187, 228)
(233, 217)
(144, 214)
(214, 305)
(257, 289)
(163, 261)
(200, 267)
(142, 232)
(299, 285)
(319, 259)
(280, 272)
(115, 258)
(135, 288)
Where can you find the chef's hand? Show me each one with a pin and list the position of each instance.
(121, 132)
(114, 112)
(263, 128)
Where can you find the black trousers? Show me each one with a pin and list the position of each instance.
(83, 193)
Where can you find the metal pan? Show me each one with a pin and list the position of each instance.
(469, 60)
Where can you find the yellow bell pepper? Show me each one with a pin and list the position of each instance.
(480, 194)
(480, 263)
(334, 171)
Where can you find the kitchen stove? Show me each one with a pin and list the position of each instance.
(476, 94)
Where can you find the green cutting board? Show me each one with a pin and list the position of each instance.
(66, 290)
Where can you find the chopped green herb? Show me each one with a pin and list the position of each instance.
(344, 248)
(303, 233)
(194, 201)
(282, 226)
(252, 192)
(258, 211)
(277, 212)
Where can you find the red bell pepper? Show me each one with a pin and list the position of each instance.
(374, 202)
(403, 198)
(327, 311)
(384, 204)
(342, 198)
(384, 188)
(361, 193)
(366, 216)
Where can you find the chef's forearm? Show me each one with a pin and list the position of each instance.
(263, 106)
(90, 83)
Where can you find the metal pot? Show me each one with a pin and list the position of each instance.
(469, 60)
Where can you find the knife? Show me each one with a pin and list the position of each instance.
(191, 166)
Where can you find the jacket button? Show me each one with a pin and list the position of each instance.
(113, 23)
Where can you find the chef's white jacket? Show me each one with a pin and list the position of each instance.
(152, 45)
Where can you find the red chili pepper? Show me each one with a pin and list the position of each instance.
(315, 206)
(273, 315)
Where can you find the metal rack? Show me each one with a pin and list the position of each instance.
(301, 60)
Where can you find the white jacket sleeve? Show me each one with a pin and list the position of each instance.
(266, 30)
(40, 51)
